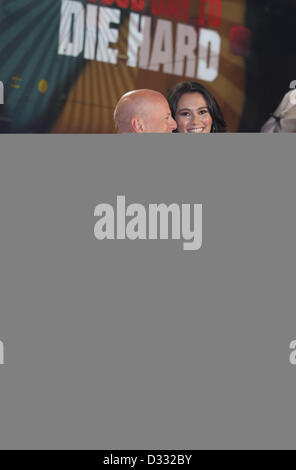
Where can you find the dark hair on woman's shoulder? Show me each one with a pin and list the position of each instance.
(174, 95)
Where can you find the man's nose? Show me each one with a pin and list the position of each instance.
(173, 124)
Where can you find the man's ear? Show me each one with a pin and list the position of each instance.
(137, 125)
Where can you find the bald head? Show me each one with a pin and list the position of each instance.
(143, 111)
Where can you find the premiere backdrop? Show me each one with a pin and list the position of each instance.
(65, 63)
(120, 344)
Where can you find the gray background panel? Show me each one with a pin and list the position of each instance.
(139, 344)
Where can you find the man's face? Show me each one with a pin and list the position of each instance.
(159, 118)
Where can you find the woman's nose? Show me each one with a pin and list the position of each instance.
(195, 118)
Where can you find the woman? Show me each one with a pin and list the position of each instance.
(195, 110)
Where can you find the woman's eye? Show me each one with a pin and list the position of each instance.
(184, 113)
(204, 111)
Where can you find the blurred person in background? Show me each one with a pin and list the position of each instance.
(284, 117)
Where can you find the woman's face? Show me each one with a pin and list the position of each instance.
(192, 115)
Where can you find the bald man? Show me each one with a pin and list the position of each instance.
(143, 111)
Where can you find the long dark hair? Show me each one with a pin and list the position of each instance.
(219, 124)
